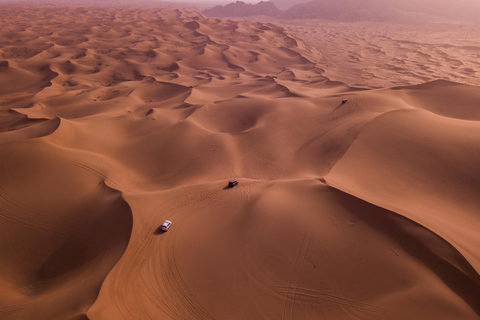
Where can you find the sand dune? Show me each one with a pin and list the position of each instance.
(384, 55)
(417, 140)
(116, 118)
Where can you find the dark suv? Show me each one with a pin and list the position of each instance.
(232, 183)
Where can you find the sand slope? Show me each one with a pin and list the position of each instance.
(126, 117)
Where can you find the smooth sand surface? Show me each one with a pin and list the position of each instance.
(114, 119)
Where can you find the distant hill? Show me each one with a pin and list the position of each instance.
(386, 10)
(401, 11)
(287, 4)
(337, 10)
(459, 10)
(242, 9)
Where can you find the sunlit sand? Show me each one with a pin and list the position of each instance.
(356, 147)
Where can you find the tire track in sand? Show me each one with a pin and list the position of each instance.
(292, 289)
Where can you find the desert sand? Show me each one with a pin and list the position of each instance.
(116, 118)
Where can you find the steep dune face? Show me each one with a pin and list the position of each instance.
(423, 152)
(62, 228)
(362, 209)
(445, 98)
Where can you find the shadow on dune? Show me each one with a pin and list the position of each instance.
(69, 231)
(428, 248)
(79, 317)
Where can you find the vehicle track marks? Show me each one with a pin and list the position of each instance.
(292, 289)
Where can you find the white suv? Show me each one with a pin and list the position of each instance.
(166, 225)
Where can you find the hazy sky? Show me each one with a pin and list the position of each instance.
(207, 2)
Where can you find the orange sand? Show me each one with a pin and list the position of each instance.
(114, 119)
